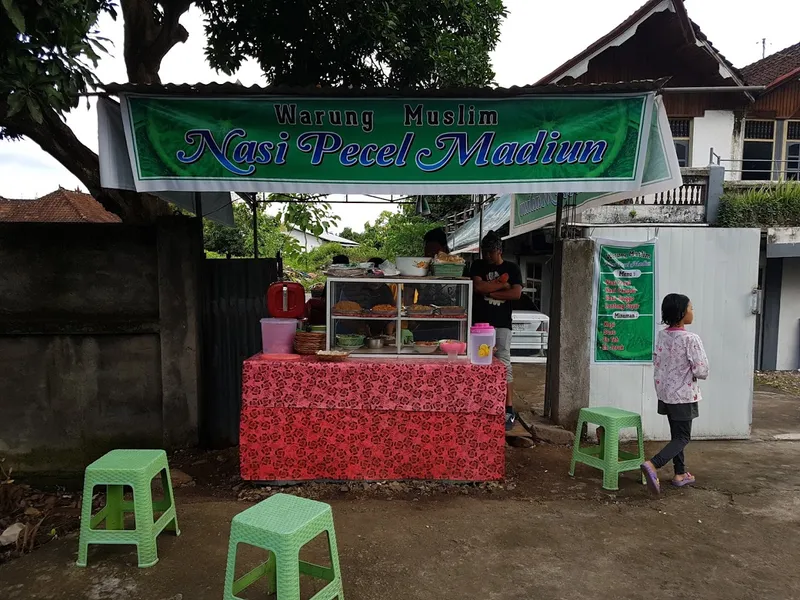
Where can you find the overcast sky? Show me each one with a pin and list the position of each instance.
(536, 37)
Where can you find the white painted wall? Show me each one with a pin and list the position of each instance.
(713, 130)
(788, 357)
(306, 240)
(717, 269)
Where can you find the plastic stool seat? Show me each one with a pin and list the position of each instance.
(136, 469)
(608, 457)
(281, 514)
(282, 525)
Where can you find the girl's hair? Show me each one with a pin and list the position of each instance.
(673, 309)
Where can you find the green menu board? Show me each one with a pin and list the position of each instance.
(625, 301)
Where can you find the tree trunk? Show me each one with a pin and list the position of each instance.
(148, 38)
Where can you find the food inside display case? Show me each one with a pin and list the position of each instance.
(382, 316)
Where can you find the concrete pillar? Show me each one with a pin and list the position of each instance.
(570, 331)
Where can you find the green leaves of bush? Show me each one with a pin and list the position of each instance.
(776, 205)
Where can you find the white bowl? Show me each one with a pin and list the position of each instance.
(410, 265)
(427, 349)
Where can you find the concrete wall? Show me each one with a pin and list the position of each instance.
(612, 214)
(788, 348)
(98, 340)
(713, 130)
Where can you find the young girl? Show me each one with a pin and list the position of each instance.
(679, 361)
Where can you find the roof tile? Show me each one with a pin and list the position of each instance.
(60, 206)
(773, 67)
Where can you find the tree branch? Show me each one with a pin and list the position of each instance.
(58, 140)
(150, 34)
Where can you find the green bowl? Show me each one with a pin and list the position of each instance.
(350, 340)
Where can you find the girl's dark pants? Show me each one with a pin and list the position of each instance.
(681, 434)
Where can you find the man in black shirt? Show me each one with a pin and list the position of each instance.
(496, 284)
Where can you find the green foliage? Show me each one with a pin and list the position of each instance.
(237, 241)
(348, 234)
(305, 212)
(396, 234)
(768, 206)
(393, 43)
(47, 53)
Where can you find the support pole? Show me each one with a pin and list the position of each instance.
(198, 211)
(254, 205)
(480, 225)
(559, 215)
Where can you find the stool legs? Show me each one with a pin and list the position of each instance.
(115, 516)
(145, 533)
(611, 460)
(282, 571)
(168, 502)
(86, 523)
(576, 446)
(337, 590)
(288, 575)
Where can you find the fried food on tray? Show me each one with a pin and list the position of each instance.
(451, 310)
(420, 308)
(384, 308)
(347, 306)
(443, 258)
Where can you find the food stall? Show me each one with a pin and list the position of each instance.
(393, 396)
(413, 412)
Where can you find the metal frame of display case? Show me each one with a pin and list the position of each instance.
(399, 350)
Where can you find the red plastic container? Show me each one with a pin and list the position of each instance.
(286, 300)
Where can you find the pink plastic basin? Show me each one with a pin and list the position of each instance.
(451, 347)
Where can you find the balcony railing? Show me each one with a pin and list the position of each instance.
(758, 169)
(693, 192)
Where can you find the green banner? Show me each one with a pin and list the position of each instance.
(594, 143)
(625, 301)
(661, 173)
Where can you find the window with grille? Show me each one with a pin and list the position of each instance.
(793, 150)
(758, 150)
(682, 136)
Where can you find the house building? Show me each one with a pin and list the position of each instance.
(309, 241)
(745, 120)
(60, 206)
(753, 133)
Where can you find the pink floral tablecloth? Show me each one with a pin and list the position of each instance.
(372, 419)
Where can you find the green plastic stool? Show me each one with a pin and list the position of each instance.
(282, 525)
(607, 456)
(134, 468)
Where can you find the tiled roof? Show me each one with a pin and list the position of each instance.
(61, 206)
(768, 70)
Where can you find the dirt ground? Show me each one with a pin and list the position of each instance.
(539, 534)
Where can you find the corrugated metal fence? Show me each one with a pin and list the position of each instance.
(234, 300)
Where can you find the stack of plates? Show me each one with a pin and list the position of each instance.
(309, 343)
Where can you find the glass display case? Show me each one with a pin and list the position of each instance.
(386, 316)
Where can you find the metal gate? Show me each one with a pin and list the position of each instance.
(233, 300)
(718, 269)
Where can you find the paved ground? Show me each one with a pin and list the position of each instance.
(539, 535)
